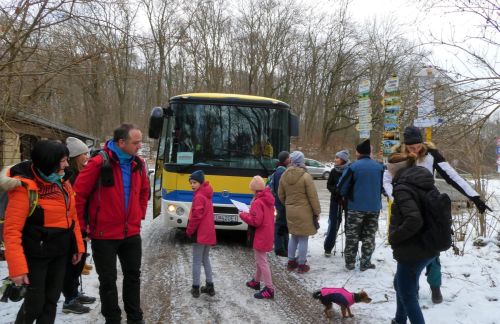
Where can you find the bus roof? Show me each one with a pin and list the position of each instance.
(229, 98)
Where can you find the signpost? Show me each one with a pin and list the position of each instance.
(392, 107)
(498, 154)
(426, 111)
(364, 109)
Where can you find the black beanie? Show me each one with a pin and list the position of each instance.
(412, 135)
(283, 156)
(47, 155)
(198, 176)
(364, 148)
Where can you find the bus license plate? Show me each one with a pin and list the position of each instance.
(226, 218)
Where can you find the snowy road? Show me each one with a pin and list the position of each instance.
(167, 282)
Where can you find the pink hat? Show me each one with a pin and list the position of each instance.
(257, 184)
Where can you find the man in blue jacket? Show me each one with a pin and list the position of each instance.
(361, 186)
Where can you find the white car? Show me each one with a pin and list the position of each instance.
(317, 170)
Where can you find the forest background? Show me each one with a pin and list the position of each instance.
(92, 64)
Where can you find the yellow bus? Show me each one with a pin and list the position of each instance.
(230, 137)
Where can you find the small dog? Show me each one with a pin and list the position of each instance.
(341, 297)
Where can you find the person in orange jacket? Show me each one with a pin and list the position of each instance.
(40, 234)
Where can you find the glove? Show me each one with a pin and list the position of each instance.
(316, 221)
(480, 205)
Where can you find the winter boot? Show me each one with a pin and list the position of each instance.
(88, 266)
(292, 265)
(208, 289)
(75, 307)
(367, 266)
(349, 266)
(83, 299)
(303, 268)
(85, 272)
(253, 284)
(266, 293)
(437, 298)
(195, 291)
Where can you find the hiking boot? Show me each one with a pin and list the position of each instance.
(85, 272)
(88, 266)
(208, 289)
(292, 265)
(253, 284)
(83, 299)
(366, 267)
(266, 293)
(75, 307)
(303, 268)
(349, 266)
(328, 254)
(437, 298)
(195, 291)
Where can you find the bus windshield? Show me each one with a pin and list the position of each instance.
(227, 136)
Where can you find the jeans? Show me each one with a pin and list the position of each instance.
(263, 271)
(406, 286)
(201, 256)
(433, 273)
(299, 242)
(280, 233)
(129, 252)
(334, 220)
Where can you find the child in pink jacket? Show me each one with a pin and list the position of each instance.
(201, 226)
(261, 216)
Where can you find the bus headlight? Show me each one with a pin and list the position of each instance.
(171, 209)
(179, 211)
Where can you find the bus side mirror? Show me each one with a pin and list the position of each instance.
(155, 122)
(293, 125)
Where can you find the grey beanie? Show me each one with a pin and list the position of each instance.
(76, 147)
(297, 158)
(343, 155)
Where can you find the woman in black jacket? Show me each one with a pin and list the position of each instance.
(410, 182)
(336, 207)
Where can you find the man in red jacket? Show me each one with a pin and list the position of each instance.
(110, 208)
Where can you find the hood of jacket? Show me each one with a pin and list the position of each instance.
(205, 190)
(416, 176)
(292, 175)
(266, 197)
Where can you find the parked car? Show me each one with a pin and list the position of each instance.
(317, 169)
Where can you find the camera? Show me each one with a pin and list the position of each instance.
(12, 292)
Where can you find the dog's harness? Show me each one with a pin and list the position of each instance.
(338, 296)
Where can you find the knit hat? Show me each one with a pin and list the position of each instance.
(283, 156)
(412, 135)
(297, 158)
(343, 155)
(364, 148)
(76, 147)
(257, 184)
(47, 155)
(198, 176)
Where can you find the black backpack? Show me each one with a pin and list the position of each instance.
(437, 233)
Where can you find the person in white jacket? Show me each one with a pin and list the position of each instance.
(430, 158)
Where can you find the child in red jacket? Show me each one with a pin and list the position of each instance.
(261, 216)
(201, 226)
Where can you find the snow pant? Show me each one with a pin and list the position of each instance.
(433, 273)
(46, 277)
(129, 252)
(299, 242)
(406, 286)
(263, 271)
(281, 233)
(360, 226)
(334, 220)
(201, 256)
(72, 277)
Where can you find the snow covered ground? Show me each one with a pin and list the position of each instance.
(470, 282)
